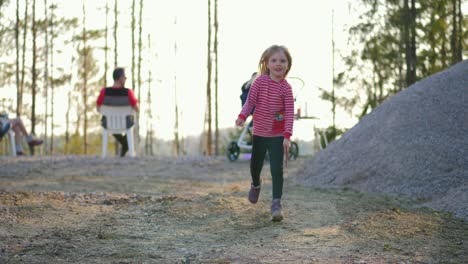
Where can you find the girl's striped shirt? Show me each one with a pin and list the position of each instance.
(274, 107)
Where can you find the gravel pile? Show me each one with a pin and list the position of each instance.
(415, 145)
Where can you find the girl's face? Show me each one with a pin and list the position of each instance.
(278, 65)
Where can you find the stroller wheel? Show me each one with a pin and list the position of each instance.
(293, 151)
(233, 151)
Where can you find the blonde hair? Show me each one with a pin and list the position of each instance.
(262, 65)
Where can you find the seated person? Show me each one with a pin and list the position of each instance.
(118, 95)
(17, 125)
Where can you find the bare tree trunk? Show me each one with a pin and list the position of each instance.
(457, 33)
(413, 41)
(133, 44)
(18, 88)
(406, 25)
(443, 52)
(133, 25)
(46, 75)
(116, 144)
(333, 99)
(85, 84)
(432, 41)
(453, 37)
(34, 74)
(216, 28)
(106, 45)
(69, 106)
(115, 33)
(149, 123)
(176, 125)
(149, 130)
(23, 59)
(78, 119)
(140, 46)
(410, 41)
(208, 84)
(176, 102)
(176, 130)
(51, 150)
(460, 32)
(67, 120)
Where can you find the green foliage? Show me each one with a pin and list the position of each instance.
(376, 69)
(7, 72)
(89, 35)
(60, 80)
(2, 2)
(76, 143)
(94, 144)
(6, 105)
(331, 135)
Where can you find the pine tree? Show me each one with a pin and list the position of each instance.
(34, 73)
(85, 77)
(133, 44)
(52, 83)
(139, 84)
(209, 143)
(46, 74)
(149, 112)
(23, 59)
(106, 45)
(115, 33)
(18, 88)
(177, 148)
(215, 49)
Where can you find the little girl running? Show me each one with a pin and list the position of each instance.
(272, 97)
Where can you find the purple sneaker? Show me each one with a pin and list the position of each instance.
(276, 214)
(254, 193)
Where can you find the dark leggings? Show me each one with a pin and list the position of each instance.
(274, 145)
(122, 139)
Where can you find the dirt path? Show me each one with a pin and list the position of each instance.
(82, 210)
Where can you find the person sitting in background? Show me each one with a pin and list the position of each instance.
(18, 127)
(118, 95)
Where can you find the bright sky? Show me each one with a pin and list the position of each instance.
(246, 29)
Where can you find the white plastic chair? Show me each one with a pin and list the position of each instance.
(11, 136)
(116, 122)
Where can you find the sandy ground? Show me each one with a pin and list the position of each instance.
(194, 210)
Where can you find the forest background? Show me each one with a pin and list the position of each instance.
(186, 61)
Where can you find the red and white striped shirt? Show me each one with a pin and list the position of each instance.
(274, 107)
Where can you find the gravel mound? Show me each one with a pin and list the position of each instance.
(415, 144)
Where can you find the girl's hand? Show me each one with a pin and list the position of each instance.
(240, 122)
(286, 145)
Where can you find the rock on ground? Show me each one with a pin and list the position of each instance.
(415, 144)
